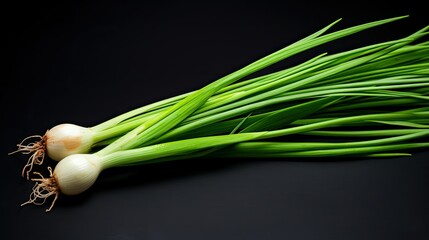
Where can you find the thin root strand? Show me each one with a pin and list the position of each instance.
(37, 150)
(43, 189)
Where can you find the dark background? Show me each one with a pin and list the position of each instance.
(85, 62)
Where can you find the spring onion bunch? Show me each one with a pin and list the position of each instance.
(66, 139)
(328, 95)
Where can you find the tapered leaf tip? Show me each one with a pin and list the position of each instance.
(400, 17)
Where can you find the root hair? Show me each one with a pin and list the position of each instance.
(37, 150)
(43, 189)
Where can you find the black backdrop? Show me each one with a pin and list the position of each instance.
(85, 62)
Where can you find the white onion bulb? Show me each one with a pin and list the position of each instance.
(73, 175)
(67, 139)
(76, 173)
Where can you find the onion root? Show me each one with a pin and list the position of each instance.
(43, 189)
(37, 150)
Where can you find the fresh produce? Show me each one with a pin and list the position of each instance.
(66, 139)
(334, 96)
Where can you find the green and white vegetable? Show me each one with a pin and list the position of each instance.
(66, 139)
(76, 173)
(328, 95)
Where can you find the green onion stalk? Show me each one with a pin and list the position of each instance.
(233, 91)
(233, 117)
(76, 173)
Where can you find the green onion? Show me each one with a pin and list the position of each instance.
(66, 139)
(234, 117)
(76, 173)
